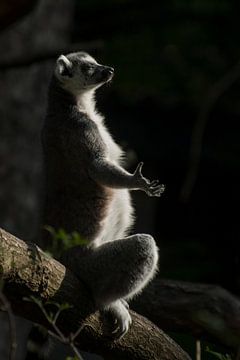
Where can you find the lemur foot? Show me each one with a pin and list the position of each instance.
(125, 303)
(120, 319)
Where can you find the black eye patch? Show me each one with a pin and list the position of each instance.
(85, 68)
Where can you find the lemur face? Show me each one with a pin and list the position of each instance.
(79, 72)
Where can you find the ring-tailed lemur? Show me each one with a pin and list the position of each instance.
(87, 190)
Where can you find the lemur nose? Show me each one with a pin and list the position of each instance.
(111, 70)
(108, 70)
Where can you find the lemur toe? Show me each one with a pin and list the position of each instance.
(120, 320)
(125, 303)
(122, 328)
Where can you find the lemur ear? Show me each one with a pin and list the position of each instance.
(64, 67)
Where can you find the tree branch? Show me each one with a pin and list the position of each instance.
(27, 271)
(205, 311)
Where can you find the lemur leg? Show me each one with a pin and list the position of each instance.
(121, 268)
(116, 270)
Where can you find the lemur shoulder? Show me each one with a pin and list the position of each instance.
(87, 189)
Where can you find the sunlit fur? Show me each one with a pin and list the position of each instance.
(114, 266)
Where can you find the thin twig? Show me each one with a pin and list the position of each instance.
(12, 326)
(76, 352)
(75, 335)
(198, 350)
(55, 336)
(66, 340)
(57, 315)
(58, 333)
(213, 95)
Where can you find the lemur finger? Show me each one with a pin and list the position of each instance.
(154, 189)
(155, 192)
(154, 183)
(159, 188)
(139, 168)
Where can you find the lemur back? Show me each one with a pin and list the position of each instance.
(87, 190)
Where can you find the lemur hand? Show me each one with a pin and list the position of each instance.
(151, 188)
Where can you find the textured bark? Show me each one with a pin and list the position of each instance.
(205, 311)
(27, 270)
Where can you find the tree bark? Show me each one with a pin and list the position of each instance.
(27, 270)
(205, 311)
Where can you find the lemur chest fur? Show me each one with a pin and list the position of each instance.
(119, 214)
(113, 151)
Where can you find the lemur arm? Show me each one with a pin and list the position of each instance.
(111, 175)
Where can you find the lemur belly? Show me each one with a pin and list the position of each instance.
(119, 217)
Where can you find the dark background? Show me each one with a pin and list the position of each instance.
(169, 56)
(176, 65)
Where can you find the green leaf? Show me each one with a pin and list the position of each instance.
(65, 306)
(218, 355)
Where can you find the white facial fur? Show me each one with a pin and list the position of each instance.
(79, 73)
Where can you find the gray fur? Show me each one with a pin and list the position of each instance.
(87, 190)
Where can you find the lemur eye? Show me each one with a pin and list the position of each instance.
(87, 69)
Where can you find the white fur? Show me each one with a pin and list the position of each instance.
(62, 62)
(120, 210)
(86, 103)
